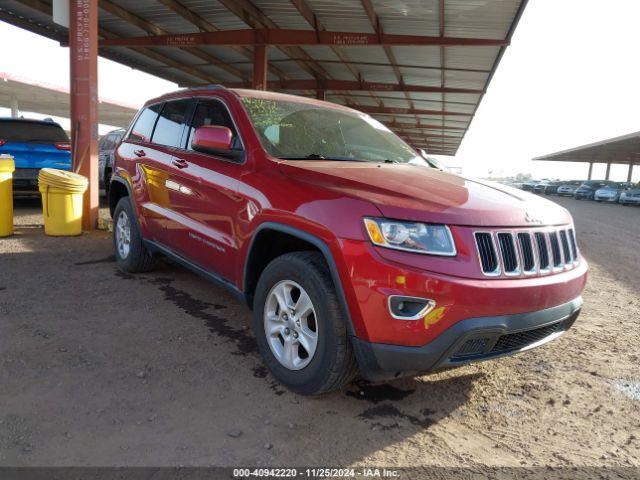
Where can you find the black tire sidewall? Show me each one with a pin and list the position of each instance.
(313, 376)
(137, 252)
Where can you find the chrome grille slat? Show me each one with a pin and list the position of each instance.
(533, 251)
(566, 251)
(508, 253)
(526, 251)
(543, 252)
(555, 249)
(487, 253)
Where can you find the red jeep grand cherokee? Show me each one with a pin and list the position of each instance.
(353, 254)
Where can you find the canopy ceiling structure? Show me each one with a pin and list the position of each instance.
(622, 150)
(420, 67)
(31, 96)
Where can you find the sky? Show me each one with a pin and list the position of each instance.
(570, 77)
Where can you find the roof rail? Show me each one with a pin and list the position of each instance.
(209, 86)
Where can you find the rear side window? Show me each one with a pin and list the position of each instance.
(210, 112)
(17, 131)
(143, 127)
(170, 123)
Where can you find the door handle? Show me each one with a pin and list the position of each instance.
(178, 162)
(139, 153)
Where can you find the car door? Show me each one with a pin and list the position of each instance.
(203, 195)
(147, 166)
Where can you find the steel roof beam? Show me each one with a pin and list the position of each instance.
(346, 85)
(153, 29)
(406, 111)
(307, 13)
(256, 19)
(292, 37)
(45, 8)
(205, 25)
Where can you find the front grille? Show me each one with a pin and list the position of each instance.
(526, 251)
(516, 341)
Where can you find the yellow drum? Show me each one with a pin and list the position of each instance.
(7, 167)
(62, 194)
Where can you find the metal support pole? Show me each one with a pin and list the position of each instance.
(260, 67)
(83, 52)
(590, 170)
(630, 173)
(606, 177)
(15, 112)
(321, 94)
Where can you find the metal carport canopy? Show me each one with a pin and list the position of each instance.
(622, 150)
(422, 65)
(31, 96)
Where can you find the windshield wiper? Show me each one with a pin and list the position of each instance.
(317, 156)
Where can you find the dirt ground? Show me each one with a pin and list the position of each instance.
(99, 368)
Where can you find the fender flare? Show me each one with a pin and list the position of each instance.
(320, 245)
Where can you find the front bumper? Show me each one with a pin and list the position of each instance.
(467, 341)
(634, 200)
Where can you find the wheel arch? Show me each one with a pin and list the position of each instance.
(260, 252)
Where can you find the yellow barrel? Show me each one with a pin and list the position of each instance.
(62, 194)
(7, 167)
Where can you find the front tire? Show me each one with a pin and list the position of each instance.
(131, 254)
(299, 325)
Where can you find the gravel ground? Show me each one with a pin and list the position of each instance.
(99, 368)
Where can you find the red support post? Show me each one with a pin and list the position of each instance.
(83, 52)
(321, 94)
(260, 63)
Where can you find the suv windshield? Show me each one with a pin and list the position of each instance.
(21, 131)
(299, 130)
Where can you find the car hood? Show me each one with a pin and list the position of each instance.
(412, 192)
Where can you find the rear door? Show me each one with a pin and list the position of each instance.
(146, 165)
(203, 196)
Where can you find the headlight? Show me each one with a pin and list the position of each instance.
(411, 237)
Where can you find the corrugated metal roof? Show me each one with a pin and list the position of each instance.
(624, 149)
(457, 67)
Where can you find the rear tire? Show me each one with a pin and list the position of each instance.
(131, 254)
(331, 364)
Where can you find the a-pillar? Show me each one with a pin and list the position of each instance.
(590, 170)
(83, 52)
(260, 61)
(606, 177)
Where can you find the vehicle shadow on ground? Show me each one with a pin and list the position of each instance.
(161, 341)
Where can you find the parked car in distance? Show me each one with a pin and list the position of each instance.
(610, 193)
(34, 144)
(540, 186)
(587, 190)
(552, 187)
(631, 196)
(107, 145)
(529, 185)
(352, 259)
(569, 188)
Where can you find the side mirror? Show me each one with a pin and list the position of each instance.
(214, 139)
